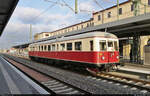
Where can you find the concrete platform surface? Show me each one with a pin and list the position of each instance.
(135, 69)
(13, 81)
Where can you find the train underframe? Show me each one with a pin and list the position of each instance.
(72, 64)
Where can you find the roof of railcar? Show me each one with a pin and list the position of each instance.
(78, 36)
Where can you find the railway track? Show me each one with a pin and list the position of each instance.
(54, 85)
(103, 83)
(142, 85)
(137, 83)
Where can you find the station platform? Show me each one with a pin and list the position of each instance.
(136, 69)
(13, 81)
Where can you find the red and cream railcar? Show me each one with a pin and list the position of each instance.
(94, 49)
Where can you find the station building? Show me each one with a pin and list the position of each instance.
(125, 10)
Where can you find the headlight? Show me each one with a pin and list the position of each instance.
(103, 57)
(117, 57)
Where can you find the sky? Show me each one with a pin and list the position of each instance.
(46, 16)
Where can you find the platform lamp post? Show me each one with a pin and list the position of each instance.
(117, 9)
(30, 32)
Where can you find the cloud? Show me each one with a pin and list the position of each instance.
(19, 33)
(28, 15)
(17, 30)
(88, 6)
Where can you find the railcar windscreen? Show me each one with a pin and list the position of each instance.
(110, 46)
(102, 45)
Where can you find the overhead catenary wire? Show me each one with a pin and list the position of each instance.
(43, 12)
(68, 6)
(109, 1)
(98, 4)
(62, 4)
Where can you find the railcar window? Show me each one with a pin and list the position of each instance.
(45, 47)
(62, 47)
(30, 48)
(57, 47)
(116, 45)
(69, 46)
(110, 44)
(102, 44)
(78, 45)
(42, 48)
(49, 47)
(33, 48)
(53, 47)
(39, 48)
(91, 45)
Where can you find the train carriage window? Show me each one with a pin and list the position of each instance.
(45, 47)
(69, 46)
(78, 45)
(53, 47)
(42, 48)
(57, 47)
(91, 45)
(49, 47)
(110, 43)
(116, 45)
(33, 49)
(102, 44)
(39, 48)
(62, 47)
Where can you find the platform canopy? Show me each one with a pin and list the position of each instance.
(6, 9)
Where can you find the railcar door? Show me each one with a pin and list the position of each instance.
(103, 51)
(112, 51)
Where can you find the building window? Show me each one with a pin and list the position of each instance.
(46, 34)
(69, 46)
(132, 7)
(120, 11)
(78, 46)
(109, 14)
(82, 26)
(62, 47)
(148, 2)
(87, 24)
(93, 24)
(72, 28)
(65, 30)
(91, 45)
(99, 17)
(77, 27)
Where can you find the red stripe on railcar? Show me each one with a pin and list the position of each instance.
(88, 57)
